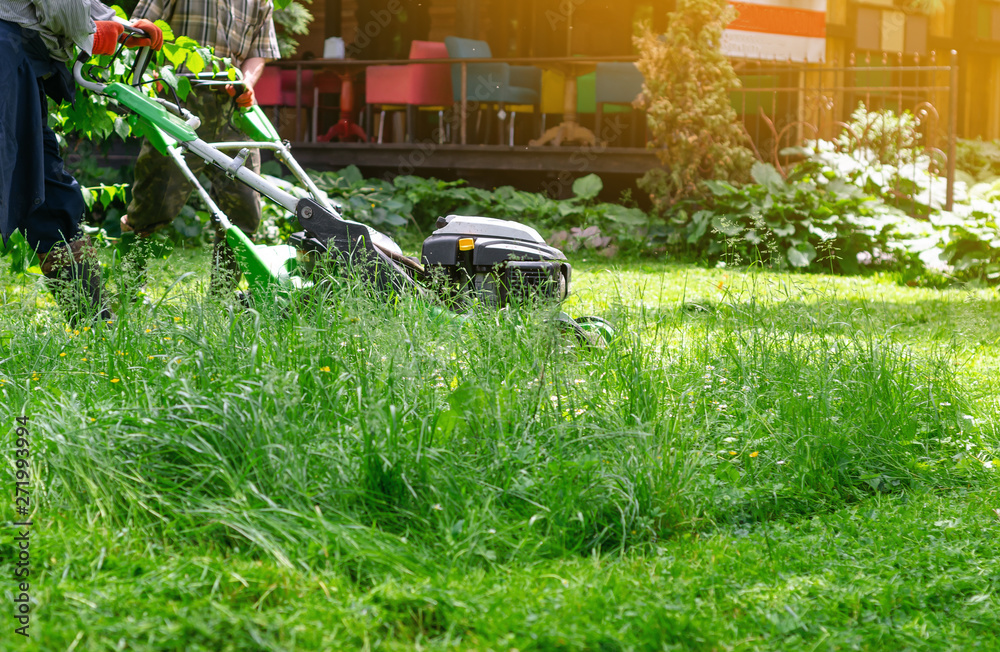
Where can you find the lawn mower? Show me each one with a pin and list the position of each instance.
(468, 260)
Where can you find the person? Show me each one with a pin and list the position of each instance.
(38, 197)
(242, 31)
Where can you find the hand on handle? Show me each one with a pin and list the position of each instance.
(154, 39)
(246, 100)
(106, 37)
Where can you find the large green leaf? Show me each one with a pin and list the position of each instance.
(801, 255)
(626, 216)
(766, 175)
(588, 187)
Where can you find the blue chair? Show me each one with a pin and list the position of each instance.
(493, 83)
(616, 84)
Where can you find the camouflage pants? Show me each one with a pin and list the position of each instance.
(160, 190)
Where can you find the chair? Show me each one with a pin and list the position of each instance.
(411, 87)
(491, 83)
(615, 84)
(553, 98)
(268, 91)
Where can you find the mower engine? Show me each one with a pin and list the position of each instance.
(496, 261)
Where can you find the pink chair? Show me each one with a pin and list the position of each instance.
(268, 90)
(411, 86)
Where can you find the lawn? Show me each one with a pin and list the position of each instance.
(759, 461)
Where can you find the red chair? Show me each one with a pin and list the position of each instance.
(412, 86)
(268, 91)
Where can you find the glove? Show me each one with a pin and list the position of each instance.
(106, 37)
(244, 101)
(154, 41)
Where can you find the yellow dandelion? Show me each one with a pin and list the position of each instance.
(149, 330)
(732, 452)
(754, 454)
(114, 380)
(92, 419)
(326, 369)
(150, 357)
(76, 332)
(83, 359)
(177, 319)
(167, 338)
(62, 355)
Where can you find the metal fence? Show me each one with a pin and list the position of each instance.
(796, 105)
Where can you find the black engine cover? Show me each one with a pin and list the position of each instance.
(508, 260)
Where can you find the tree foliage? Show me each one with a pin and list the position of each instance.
(291, 19)
(692, 124)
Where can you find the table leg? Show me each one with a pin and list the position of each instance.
(346, 127)
(298, 102)
(464, 117)
(568, 130)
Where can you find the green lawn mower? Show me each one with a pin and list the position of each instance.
(467, 261)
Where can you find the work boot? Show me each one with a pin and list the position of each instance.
(226, 271)
(73, 275)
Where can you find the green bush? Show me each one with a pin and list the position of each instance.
(807, 221)
(692, 123)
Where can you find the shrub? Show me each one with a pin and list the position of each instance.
(806, 221)
(692, 123)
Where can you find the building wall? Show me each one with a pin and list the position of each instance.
(539, 28)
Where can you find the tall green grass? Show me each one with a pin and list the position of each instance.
(347, 433)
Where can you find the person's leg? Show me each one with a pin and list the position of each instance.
(239, 202)
(39, 197)
(68, 260)
(22, 177)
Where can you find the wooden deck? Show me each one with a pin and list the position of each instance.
(531, 168)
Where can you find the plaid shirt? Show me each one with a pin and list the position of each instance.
(239, 29)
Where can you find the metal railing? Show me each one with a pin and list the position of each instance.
(787, 104)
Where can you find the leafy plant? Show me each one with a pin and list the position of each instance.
(804, 221)
(692, 123)
(978, 159)
(881, 136)
(291, 20)
(409, 207)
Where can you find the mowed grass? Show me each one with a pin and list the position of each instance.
(757, 461)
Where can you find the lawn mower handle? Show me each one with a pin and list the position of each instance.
(142, 59)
